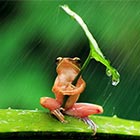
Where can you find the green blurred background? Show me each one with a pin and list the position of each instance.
(34, 33)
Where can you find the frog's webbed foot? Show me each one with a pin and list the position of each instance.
(90, 123)
(58, 114)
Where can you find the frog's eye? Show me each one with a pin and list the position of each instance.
(58, 59)
(77, 60)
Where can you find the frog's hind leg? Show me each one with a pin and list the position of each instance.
(83, 110)
(49, 103)
(54, 106)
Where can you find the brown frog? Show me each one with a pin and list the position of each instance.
(67, 69)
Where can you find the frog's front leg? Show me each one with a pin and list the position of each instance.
(54, 105)
(77, 89)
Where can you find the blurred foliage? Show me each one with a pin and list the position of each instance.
(34, 33)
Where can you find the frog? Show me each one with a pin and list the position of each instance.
(67, 69)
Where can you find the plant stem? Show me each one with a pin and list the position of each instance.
(82, 69)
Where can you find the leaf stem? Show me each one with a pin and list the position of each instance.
(82, 69)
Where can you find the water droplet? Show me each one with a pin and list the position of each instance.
(108, 72)
(115, 82)
(3, 122)
(115, 116)
(36, 109)
(115, 78)
(9, 112)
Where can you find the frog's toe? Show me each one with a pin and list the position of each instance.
(57, 113)
(90, 123)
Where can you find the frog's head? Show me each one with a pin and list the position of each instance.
(67, 63)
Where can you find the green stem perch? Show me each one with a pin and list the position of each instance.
(34, 123)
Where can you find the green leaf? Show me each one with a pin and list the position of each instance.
(30, 123)
(95, 51)
(33, 120)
